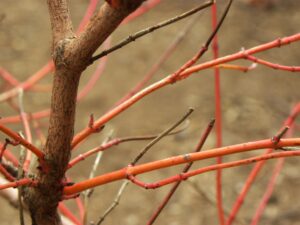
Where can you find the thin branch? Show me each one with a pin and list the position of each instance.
(272, 182)
(8, 77)
(204, 48)
(68, 214)
(47, 68)
(139, 34)
(185, 74)
(89, 192)
(9, 156)
(159, 137)
(268, 192)
(8, 169)
(28, 135)
(272, 65)
(157, 65)
(240, 55)
(117, 141)
(218, 114)
(22, 141)
(140, 155)
(6, 173)
(211, 199)
(256, 169)
(186, 169)
(115, 202)
(33, 79)
(168, 80)
(101, 25)
(225, 59)
(21, 182)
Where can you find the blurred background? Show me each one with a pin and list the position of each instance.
(254, 106)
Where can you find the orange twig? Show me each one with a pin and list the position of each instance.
(33, 116)
(22, 141)
(18, 183)
(184, 176)
(176, 160)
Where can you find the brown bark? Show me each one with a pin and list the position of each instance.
(71, 56)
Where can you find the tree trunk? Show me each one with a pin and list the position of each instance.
(71, 55)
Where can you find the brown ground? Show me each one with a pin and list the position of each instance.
(254, 106)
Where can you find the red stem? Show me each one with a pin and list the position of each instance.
(67, 213)
(28, 83)
(9, 156)
(257, 168)
(88, 13)
(218, 116)
(6, 174)
(268, 192)
(8, 77)
(81, 208)
(186, 169)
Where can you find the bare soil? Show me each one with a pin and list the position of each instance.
(254, 106)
